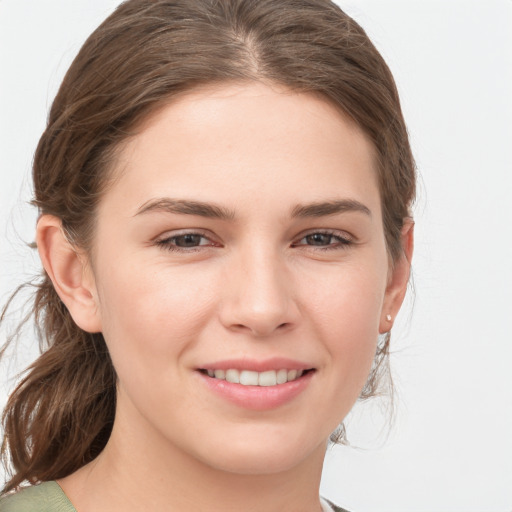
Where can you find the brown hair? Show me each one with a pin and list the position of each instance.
(60, 416)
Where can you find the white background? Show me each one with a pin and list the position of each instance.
(451, 447)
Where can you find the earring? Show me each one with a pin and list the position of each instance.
(388, 318)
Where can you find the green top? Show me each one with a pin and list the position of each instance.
(49, 497)
(45, 497)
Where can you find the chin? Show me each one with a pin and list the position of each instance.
(265, 454)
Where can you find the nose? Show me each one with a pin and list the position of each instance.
(259, 296)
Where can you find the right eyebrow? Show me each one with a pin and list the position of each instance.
(185, 207)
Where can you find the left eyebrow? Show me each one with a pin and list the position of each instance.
(325, 208)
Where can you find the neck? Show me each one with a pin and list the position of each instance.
(130, 475)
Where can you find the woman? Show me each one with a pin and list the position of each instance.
(224, 191)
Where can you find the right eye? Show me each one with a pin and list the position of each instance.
(184, 242)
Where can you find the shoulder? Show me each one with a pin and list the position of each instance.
(45, 497)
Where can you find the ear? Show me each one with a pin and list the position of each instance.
(398, 279)
(70, 273)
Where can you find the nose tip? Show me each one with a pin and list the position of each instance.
(260, 327)
(260, 301)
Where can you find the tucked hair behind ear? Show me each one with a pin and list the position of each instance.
(148, 51)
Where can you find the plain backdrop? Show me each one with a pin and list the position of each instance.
(450, 449)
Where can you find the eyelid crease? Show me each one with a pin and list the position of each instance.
(342, 242)
(172, 236)
(165, 242)
(333, 232)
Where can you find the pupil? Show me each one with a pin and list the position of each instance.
(319, 239)
(188, 240)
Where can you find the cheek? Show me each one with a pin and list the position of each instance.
(150, 316)
(346, 315)
(348, 300)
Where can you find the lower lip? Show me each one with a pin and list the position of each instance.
(258, 398)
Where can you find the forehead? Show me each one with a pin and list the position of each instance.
(233, 141)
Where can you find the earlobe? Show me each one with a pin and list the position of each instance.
(398, 279)
(71, 276)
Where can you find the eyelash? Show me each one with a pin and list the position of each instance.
(342, 242)
(167, 243)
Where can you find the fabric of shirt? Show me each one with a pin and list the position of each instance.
(45, 497)
(327, 506)
(49, 497)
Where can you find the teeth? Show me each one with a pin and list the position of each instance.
(267, 378)
(233, 376)
(250, 378)
(282, 376)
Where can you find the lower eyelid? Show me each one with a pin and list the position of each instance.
(337, 238)
(169, 242)
(338, 241)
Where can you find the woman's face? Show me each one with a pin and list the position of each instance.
(243, 240)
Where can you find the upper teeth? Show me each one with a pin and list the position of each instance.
(250, 378)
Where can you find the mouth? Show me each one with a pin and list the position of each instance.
(253, 378)
(257, 385)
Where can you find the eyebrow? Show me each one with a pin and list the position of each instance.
(209, 210)
(325, 208)
(186, 207)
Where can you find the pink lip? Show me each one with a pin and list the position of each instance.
(276, 363)
(257, 398)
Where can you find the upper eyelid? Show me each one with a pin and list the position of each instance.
(334, 232)
(166, 237)
(175, 234)
(208, 234)
(168, 240)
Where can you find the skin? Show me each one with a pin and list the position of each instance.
(255, 288)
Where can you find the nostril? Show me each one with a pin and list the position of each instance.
(260, 330)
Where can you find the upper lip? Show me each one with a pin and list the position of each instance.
(276, 363)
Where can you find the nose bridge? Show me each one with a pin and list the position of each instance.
(260, 292)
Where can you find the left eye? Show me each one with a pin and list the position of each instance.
(189, 240)
(324, 240)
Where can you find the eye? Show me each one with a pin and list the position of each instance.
(184, 242)
(325, 240)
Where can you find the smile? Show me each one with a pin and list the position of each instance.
(253, 378)
(257, 390)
